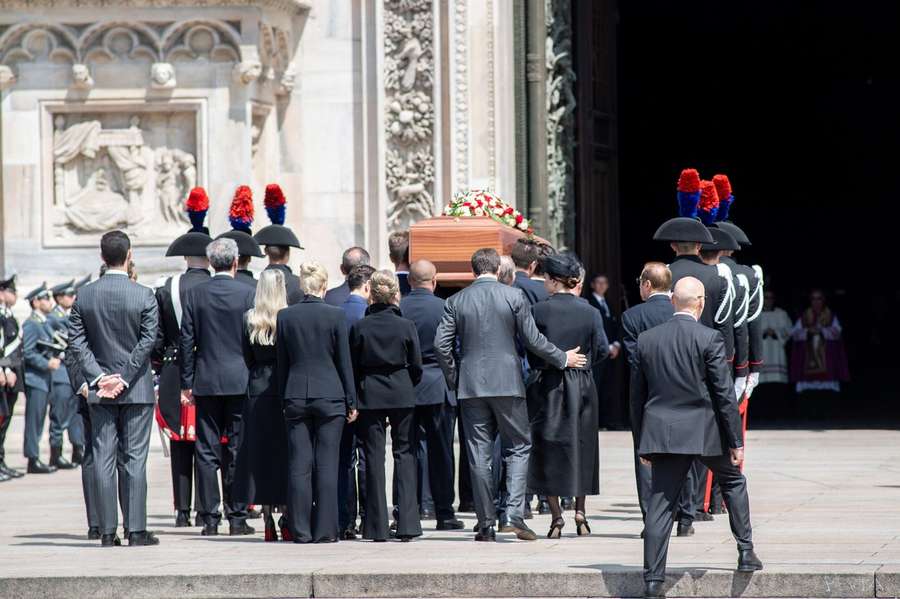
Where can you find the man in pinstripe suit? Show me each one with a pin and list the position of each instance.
(112, 329)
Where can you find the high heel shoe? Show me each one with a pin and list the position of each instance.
(581, 525)
(556, 528)
(271, 534)
(286, 535)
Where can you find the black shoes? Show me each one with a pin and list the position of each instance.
(349, 534)
(543, 507)
(36, 466)
(209, 530)
(4, 476)
(654, 590)
(183, 519)
(78, 454)
(702, 516)
(523, 533)
(452, 524)
(486, 535)
(10, 472)
(503, 524)
(748, 561)
(110, 541)
(58, 460)
(254, 514)
(240, 528)
(426, 514)
(93, 533)
(141, 539)
(685, 530)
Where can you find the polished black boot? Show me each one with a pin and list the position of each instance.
(748, 561)
(36, 466)
(654, 590)
(183, 519)
(139, 539)
(57, 459)
(685, 530)
(110, 541)
(93, 533)
(486, 534)
(78, 454)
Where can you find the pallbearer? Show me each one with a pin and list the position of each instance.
(279, 240)
(178, 421)
(240, 215)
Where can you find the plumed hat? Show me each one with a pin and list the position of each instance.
(240, 215)
(197, 205)
(192, 243)
(709, 203)
(722, 241)
(735, 231)
(726, 197)
(688, 193)
(275, 203)
(276, 233)
(683, 229)
(247, 246)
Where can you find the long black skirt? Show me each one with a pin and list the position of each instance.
(565, 452)
(261, 469)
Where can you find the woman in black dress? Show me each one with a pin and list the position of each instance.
(565, 455)
(261, 469)
(315, 379)
(387, 365)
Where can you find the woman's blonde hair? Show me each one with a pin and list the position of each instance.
(384, 287)
(313, 278)
(271, 297)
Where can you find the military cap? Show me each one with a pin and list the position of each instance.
(683, 229)
(277, 235)
(192, 243)
(38, 293)
(735, 231)
(67, 288)
(247, 246)
(722, 241)
(9, 284)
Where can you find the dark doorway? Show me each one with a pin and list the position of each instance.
(798, 103)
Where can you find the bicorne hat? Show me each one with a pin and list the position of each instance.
(735, 231)
(247, 246)
(192, 243)
(276, 233)
(723, 240)
(686, 227)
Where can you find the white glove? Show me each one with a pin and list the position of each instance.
(752, 382)
(740, 385)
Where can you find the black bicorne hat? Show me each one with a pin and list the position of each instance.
(277, 235)
(9, 283)
(192, 243)
(683, 229)
(67, 288)
(723, 241)
(247, 246)
(38, 292)
(735, 231)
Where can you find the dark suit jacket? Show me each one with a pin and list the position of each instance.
(387, 363)
(426, 309)
(534, 290)
(291, 283)
(336, 296)
(569, 322)
(403, 281)
(314, 353)
(716, 289)
(683, 385)
(642, 317)
(246, 276)
(212, 357)
(112, 329)
(485, 318)
(610, 322)
(354, 308)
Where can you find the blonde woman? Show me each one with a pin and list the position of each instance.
(388, 365)
(315, 380)
(261, 470)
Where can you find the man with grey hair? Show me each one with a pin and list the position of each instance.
(507, 272)
(350, 259)
(214, 377)
(686, 411)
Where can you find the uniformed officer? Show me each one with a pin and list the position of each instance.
(240, 215)
(12, 373)
(278, 241)
(178, 421)
(62, 397)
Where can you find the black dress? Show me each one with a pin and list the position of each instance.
(261, 476)
(562, 404)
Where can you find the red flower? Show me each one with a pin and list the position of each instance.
(689, 180)
(709, 199)
(242, 205)
(274, 196)
(519, 218)
(197, 200)
(723, 186)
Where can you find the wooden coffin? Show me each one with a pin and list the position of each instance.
(450, 241)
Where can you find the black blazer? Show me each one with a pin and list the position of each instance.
(643, 317)
(683, 391)
(336, 296)
(610, 322)
(387, 362)
(291, 283)
(534, 290)
(568, 322)
(168, 338)
(716, 289)
(426, 310)
(212, 357)
(246, 276)
(313, 354)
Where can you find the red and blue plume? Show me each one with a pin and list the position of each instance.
(709, 203)
(197, 205)
(726, 197)
(688, 193)
(274, 202)
(241, 213)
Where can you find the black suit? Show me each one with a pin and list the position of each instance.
(642, 317)
(336, 296)
(245, 276)
(291, 283)
(213, 367)
(167, 355)
(435, 412)
(534, 290)
(688, 412)
(612, 408)
(314, 376)
(387, 365)
(403, 282)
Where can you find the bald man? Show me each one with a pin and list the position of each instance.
(435, 413)
(686, 411)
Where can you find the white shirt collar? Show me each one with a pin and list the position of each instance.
(599, 297)
(227, 274)
(685, 313)
(655, 293)
(487, 276)
(116, 271)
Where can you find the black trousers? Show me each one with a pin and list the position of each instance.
(218, 418)
(435, 424)
(464, 475)
(668, 473)
(182, 456)
(373, 427)
(88, 469)
(314, 442)
(642, 475)
(351, 479)
(690, 501)
(10, 398)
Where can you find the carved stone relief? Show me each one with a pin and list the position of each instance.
(409, 110)
(116, 169)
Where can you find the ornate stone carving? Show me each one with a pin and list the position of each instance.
(409, 110)
(247, 71)
(81, 77)
(7, 77)
(461, 93)
(107, 174)
(289, 6)
(162, 75)
(560, 123)
(287, 82)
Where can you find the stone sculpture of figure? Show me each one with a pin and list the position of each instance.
(412, 200)
(411, 53)
(133, 163)
(162, 75)
(248, 71)
(81, 77)
(97, 208)
(167, 185)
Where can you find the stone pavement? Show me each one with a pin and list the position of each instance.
(825, 515)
